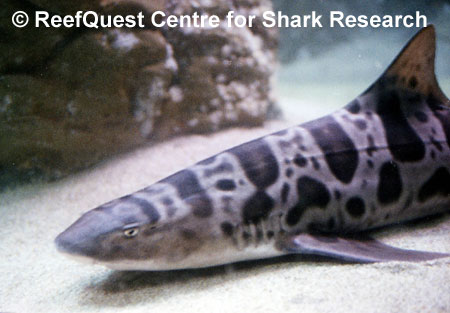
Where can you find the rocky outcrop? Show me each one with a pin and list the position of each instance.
(71, 97)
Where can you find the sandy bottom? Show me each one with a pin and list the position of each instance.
(35, 278)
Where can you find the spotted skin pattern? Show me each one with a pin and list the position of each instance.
(382, 159)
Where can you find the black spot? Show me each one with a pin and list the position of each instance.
(311, 193)
(167, 201)
(315, 163)
(289, 172)
(437, 184)
(200, 204)
(354, 107)
(370, 163)
(421, 117)
(227, 228)
(146, 207)
(300, 160)
(337, 195)
(225, 184)
(403, 142)
(246, 235)
(257, 207)
(390, 183)
(355, 207)
(361, 124)
(185, 182)
(303, 148)
(413, 82)
(221, 168)
(258, 162)
(284, 192)
(433, 154)
(270, 234)
(339, 150)
(371, 147)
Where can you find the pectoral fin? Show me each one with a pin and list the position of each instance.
(353, 250)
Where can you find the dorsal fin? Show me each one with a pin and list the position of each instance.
(413, 68)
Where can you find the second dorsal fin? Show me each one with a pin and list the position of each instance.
(413, 68)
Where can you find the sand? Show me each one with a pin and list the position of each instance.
(35, 278)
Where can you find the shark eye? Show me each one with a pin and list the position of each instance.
(131, 231)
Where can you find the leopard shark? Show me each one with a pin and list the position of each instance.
(314, 189)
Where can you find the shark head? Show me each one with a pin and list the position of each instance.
(168, 225)
(114, 231)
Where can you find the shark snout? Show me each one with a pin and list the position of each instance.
(83, 238)
(75, 243)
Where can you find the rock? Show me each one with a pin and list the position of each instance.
(72, 97)
(25, 49)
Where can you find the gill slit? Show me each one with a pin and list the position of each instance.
(264, 231)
